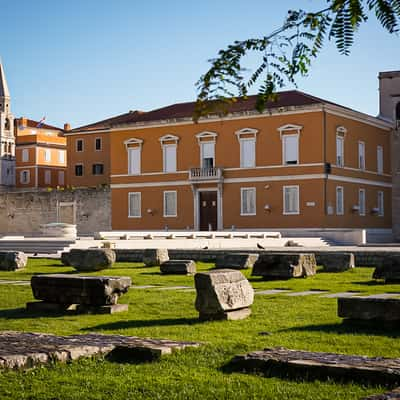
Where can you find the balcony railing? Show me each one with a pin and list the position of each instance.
(204, 174)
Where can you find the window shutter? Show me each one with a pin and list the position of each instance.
(290, 149)
(170, 158)
(134, 160)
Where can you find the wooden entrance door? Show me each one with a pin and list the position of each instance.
(208, 211)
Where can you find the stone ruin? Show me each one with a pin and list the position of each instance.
(12, 260)
(178, 267)
(223, 294)
(89, 259)
(155, 257)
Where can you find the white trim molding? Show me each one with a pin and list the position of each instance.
(137, 141)
(246, 131)
(207, 135)
(168, 138)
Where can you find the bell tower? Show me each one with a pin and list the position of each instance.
(7, 138)
(389, 110)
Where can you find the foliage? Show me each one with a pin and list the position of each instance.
(305, 323)
(287, 52)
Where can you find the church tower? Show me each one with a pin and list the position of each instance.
(389, 110)
(7, 138)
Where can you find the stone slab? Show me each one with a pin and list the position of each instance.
(306, 293)
(340, 294)
(335, 261)
(154, 257)
(21, 350)
(88, 260)
(381, 296)
(178, 267)
(318, 365)
(143, 287)
(234, 315)
(12, 260)
(284, 265)
(72, 289)
(370, 309)
(392, 395)
(388, 269)
(236, 260)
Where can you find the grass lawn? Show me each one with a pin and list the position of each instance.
(304, 323)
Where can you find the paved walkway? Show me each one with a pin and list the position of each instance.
(269, 292)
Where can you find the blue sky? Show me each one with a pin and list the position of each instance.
(80, 61)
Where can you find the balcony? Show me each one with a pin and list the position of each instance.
(206, 174)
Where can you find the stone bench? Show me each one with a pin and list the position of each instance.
(284, 265)
(223, 294)
(88, 260)
(12, 260)
(154, 257)
(335, 261)
(236, 260)
(389, 270)
(94, 294)
(178, 267)
(369, 309)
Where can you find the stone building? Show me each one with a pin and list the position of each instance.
(7, 139)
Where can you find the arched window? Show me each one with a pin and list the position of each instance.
(7, 124)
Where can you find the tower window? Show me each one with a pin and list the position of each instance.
(398, 115)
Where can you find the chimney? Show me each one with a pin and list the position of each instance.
(67, 127)
(23, 122)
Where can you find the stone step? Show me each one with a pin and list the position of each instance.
(317, 365)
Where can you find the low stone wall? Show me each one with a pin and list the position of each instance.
(22, 212)
(362, 257)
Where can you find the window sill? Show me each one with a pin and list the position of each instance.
(248, 215)
(134, 216)
(291, 213)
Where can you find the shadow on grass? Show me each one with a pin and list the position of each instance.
(352, 327)
(62, 273)
(143, 323)
(369, 283)
(23, 313)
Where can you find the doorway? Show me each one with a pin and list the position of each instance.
(208, 210)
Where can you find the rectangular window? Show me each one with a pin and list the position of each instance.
(247, 153)
(291, 200)
(97, 169)
(170, 204)
(47, 177)
(248, 201)
(207, 154)
(340, 151)
(361, 155)
(24, 176)
(379, 159)
(78, 170)
(361, 202)
(135, 205)
(25, 155)
(97, 144)
(339, 200)
(169, 157)
(79, 144)
(61, 156)
(47, 155)
(134, 155)
(290, 149)
(381, 208)
(61, 178)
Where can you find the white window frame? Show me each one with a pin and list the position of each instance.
(165, 163)
(247, 135)
(242, 211)
(28, 176)
(340, 136)
(361, 202)
(140, 204)
(134, 143)
(339, 189)
(208, 138)
(165, 193)
(101, 144)
(290, 130)
(61, 156)
(379, 160)
(61, 178)
(25, 155)
(361, 155)
(381, 203)
(47, 177)
(47, 155)
(284, 200)
(76, 145)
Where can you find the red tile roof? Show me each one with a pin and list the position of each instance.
(185, 110)
(34, 124)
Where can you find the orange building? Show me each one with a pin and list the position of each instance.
(41, 156)
(303, 163)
